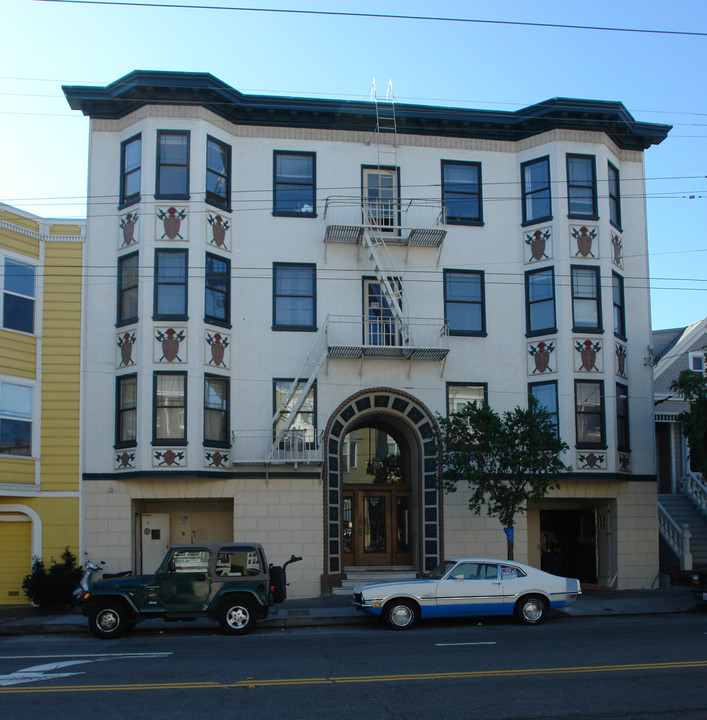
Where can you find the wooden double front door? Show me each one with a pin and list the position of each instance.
(377, 526)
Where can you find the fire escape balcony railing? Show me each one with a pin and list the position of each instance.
(297, 446)
(356, 336)
(412, 222)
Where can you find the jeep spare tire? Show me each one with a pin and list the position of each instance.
(278, 584)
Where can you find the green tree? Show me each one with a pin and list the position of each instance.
(506, 461)
(692, 387)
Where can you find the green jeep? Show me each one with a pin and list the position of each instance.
(228, 582)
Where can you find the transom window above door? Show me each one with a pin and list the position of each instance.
(381, 197)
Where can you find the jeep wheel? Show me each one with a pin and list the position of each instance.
(108, 619)
(278, 584)
(237, 616)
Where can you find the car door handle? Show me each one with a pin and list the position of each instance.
(496, 582)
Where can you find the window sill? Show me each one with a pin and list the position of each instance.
(277, 213)
(127, 321)
(294, 328)
(218, 323)
(460, 221)
(623, 338)
(221, 206)
(169, 443)
(591, 218)
(588, 446)
(125, 446)
(543, 331)
(170, 318)
(172, 197)
(587, 330)
(616, 227)
(128, 203)
(536, 221)
(468, 333)
(217, 445)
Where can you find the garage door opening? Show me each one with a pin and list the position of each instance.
(568, 543)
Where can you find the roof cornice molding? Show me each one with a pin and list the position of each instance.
(141, 88)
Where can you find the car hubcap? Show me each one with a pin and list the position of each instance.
(401, 615)
(237, 617)
(532, 611)
(108, 621)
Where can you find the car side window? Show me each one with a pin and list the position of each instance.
(237, 562)
(475, 571)
(508, 572)
(190, 561)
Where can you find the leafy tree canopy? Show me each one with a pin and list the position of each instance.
(692, 386)
(505, 460)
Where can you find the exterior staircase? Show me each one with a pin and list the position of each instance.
(367, 575)
(684, 512)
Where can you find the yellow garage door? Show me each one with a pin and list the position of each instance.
(16, 561)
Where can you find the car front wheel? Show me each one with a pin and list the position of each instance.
(400, 614)
(108, 619)
(237, 617)
(530, 610)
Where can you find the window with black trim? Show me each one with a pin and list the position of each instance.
(169, 407)
(216, 410)
(582, 187)
(586, 299)
(294, 183)
(16, 418)
(464, 307)
(128, 269)
(303, 428)
(535, 189)
(294, 296)
(460, 394)
(623, 442)
(617, 286)
(130, 162)
(171, 284)
(546, 395)
(461, 192)
(172, 164)
(614, 197)
(589, 413)
(18, 295)
(217, 303)
(540, 301)
(126, 411)
(218, 173)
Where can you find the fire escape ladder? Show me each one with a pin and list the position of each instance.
(386, 132)
(309, 369)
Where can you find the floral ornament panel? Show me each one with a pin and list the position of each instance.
(216, 458)
(584, 241)
(621, 354)
(219, 231)
(126, 350)
(541, 360)
(124, 460)
(624, 463)
(172, 223)
(218, 353)
(538, 245)
(169, 457)
(617, 250)
(128, 236)
(589, 355)
(591, 461)
(170, 345)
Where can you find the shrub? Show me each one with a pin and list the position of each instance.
(53, 587)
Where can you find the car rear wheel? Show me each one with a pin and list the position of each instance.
(400, 614)
(530, 610)
(237, 616)
(108, 619)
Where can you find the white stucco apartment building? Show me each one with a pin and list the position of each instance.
(283, 293)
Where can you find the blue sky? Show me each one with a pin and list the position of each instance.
(658, 77)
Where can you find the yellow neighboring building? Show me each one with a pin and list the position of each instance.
(41, 264)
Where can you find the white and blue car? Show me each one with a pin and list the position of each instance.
(468, 587)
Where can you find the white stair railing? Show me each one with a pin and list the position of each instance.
(678, 538)
(697, 491)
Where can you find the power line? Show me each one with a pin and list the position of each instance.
(382, 16)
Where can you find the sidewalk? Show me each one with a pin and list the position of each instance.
(338, 610)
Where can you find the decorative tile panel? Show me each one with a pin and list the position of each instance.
(588, 352)
(128, 230)
(624, 462)
(218, 231)
(541, 357)
(621, 355)
(538, 245)
(584, 241)
(216, 458)
(170, 345)
(588, 460)
(124, 460)
(126, 352)
(617, 250)
(217, 348)
(171, 224)
(169, 457)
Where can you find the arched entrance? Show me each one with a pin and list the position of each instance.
(390, 515)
